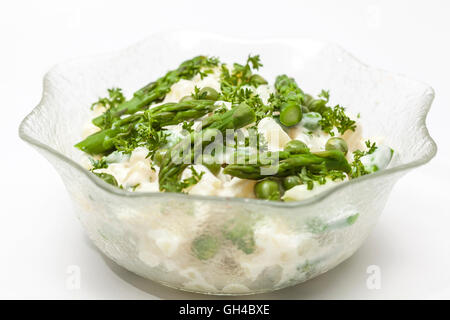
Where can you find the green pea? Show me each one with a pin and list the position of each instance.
(240, 231)
(336, 143)
(186, 98)
(258, 80)
(208, 93)
(307, 100)
(209, 162)
(205, 246)
(296, 147)
(305, 109)
(267, 189)
(291, 181)
(311, 120)
(317, 105)
(159, 156)
(294, 96)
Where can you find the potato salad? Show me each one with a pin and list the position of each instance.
(217, 129)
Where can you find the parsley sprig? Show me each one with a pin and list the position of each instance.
(336, 118)
(115, 97)
(98, 164)
(358, 168)
(308, 177)
(182, 185)
(236, 86)
(141, 135)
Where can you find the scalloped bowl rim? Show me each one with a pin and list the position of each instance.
(294, 204)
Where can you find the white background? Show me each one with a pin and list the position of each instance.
(40, 236)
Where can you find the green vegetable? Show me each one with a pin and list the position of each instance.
(107, 178)
(116, 157)
(290, 114)
(238, 117)
(288, 89)
(205, 246)
(257, 80)
(331, 117)
(288, 99)
(208, 93)
(357, 167)
(129, 124)
(188, 182)
(155, 91)
(291, 181)
(241, 75)
(236, 86)
(317, 225)
(336, 118)
(317, 105)
(240, 232)
(268, 190)
(307, 100)
(290, 164)
(98, 164)
(170, 172)
(209, 162)
(352, 219)
(377, 160)
(312, 177)
(115, 98)
(296, 147)
(159, 156)
(337, 144)
(311, 120)
(187, 98)
(143, 126)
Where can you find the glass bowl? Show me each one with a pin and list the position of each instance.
(282, 244)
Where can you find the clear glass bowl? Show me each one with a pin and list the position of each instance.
(151, 234)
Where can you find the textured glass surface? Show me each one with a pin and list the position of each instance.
(151, 234)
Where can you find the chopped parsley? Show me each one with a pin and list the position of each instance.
(358, 168)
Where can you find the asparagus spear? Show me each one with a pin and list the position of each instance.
(289, 164)
(170, 172)
(288, 99)
(157, 90)
(157, 117)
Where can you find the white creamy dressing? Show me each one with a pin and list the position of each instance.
(378, 160)
(186, 87)
(274, 135)
(301, 192)
(89, 128)
(135, 172)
